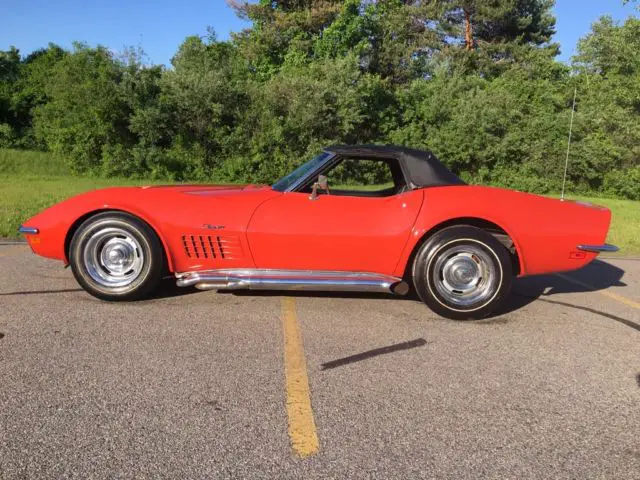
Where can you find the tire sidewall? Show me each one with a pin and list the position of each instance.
(146, 237)
(440, 242)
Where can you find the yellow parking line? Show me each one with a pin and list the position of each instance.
(606, 293)
(302, 427)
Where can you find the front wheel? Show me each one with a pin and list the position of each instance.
(116, 256)
(462, 272)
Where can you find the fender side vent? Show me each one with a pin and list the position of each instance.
(210, 247)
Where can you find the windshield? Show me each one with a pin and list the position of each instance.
(302, 171)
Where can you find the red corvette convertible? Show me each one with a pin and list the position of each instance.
(354, 218)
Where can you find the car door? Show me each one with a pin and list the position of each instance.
(333, 232)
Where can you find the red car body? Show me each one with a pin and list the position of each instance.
(410, 222)
(255, 227)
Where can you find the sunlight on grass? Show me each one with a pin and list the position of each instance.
(22, 196)
(625, 223)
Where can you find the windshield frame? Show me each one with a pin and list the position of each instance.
(300, 175)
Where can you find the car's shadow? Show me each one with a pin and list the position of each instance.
(598, 275)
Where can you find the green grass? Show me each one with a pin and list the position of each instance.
(32, 181)
(625, 222)
(23, 162)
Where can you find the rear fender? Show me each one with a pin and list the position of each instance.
(545, 231)
(421, 233)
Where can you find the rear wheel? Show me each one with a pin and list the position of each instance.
(462, 272)
(116, 256)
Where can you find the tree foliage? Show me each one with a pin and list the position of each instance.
(477, 82)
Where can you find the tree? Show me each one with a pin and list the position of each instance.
(608, 68)
(495, 34)
(309, 15)
(474, 81)
(206, 94)
(85, 117)
(30, 91)
(9, 73)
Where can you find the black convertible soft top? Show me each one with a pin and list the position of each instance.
(422, 168)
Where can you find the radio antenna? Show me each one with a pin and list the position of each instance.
(566, 161)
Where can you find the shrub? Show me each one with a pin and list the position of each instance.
(623, 183)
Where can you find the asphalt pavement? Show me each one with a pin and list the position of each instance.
(196, 384)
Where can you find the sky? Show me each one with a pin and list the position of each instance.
(160, 26)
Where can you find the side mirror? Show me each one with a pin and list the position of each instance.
(321, 184)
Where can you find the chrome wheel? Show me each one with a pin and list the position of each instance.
(465, 275)
(113, 258)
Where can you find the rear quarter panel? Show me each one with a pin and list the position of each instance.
(545, 231)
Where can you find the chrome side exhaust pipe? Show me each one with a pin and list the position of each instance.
(301, 280)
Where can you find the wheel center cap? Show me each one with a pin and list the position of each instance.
(464, 274)
(460, 273)
(116, 256)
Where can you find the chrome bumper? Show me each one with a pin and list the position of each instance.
(28, 230)
(598, 248)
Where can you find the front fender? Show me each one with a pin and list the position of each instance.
(57, 222)
(174, 212)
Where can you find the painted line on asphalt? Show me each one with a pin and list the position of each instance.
(606, 293)
(302, 426)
